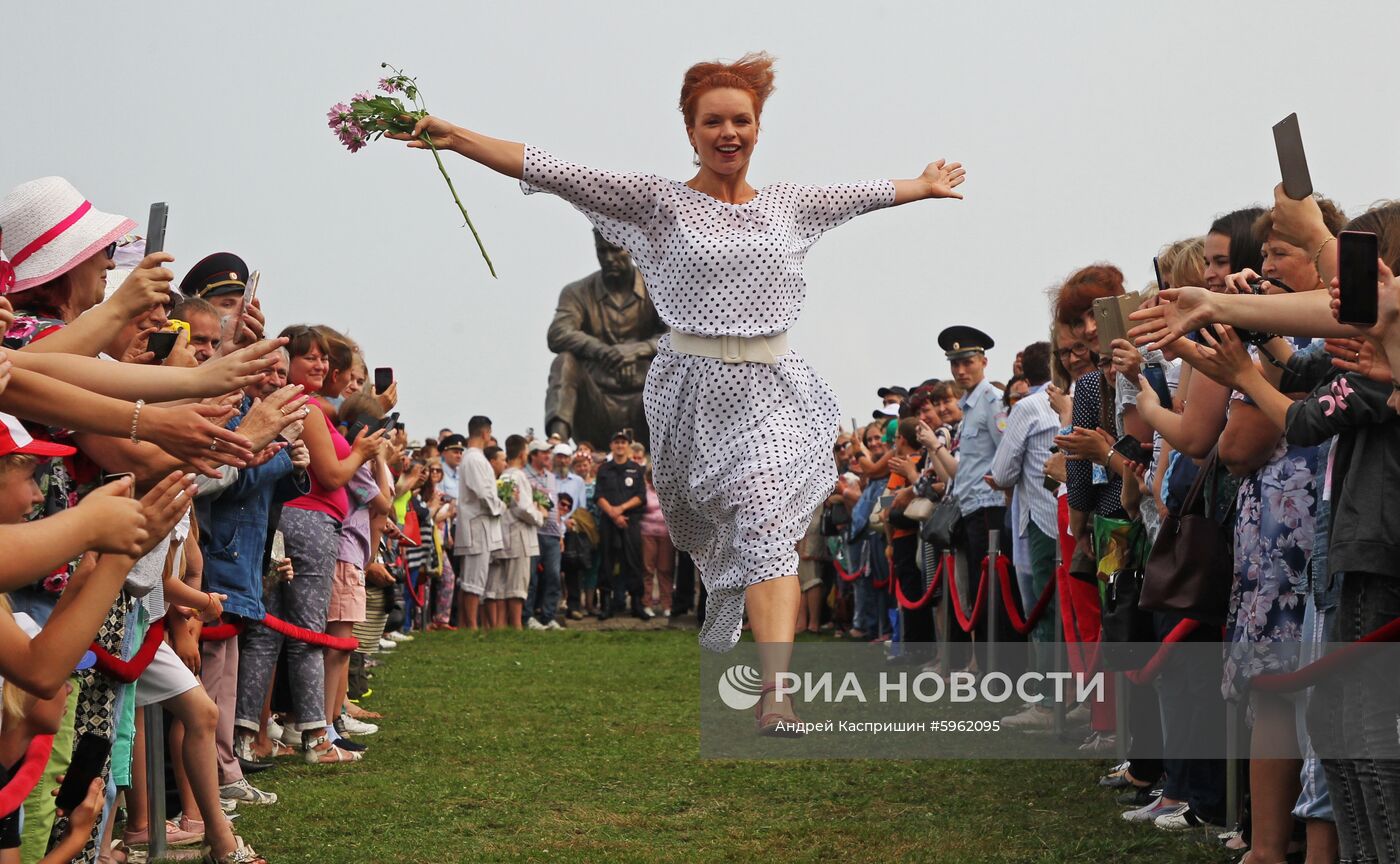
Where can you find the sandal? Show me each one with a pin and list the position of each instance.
(773, 724)
(316, 756)
(242, 854)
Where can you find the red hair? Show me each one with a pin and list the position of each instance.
(752, 73)
(1080, 290)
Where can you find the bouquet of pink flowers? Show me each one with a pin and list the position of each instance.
(368, 117)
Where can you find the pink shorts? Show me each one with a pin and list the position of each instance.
(347, 593)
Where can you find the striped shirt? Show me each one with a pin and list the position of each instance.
(1020, 462)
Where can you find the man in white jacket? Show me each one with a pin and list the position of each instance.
(478, 521)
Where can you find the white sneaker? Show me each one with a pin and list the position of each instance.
(397, 636)
(1079, 716)
(553, 625)
(534, 624)
(245, 791)
(1033, 717)
(1150, 812)
(1182, 818)
(289, 737)
(666, 613)
(352, 726)
(274, 730)
(387, 645)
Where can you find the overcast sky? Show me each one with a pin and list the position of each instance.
(1090, 132)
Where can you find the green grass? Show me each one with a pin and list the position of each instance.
(584, 746)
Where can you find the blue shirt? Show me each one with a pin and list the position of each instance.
(980, 433)
(1020, 462)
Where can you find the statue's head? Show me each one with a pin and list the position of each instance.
(613, 261)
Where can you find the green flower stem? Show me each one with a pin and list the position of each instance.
(427, 138)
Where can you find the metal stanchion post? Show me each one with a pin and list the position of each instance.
(1120, 716)
(155, 778)
(1060, 663)
(993, 598)
(1233, 717)
(945, 617)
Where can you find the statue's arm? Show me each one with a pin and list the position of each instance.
(566, 333)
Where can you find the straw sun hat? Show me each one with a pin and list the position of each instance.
(50, 228)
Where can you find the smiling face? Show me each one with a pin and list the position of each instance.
(89, 282)
(309, 369)
(725, 130)
(1217, 261)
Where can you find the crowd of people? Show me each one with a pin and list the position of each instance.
(237, 527)
(1078, 461)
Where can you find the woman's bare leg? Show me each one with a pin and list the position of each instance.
(772, 606)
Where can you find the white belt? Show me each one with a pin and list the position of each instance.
(732, 349)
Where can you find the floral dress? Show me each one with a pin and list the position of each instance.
(1274, 530)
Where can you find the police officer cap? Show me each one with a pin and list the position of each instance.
(961, 341)
(216, 275)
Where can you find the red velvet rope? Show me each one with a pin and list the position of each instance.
(849, 577)
(1020, 626)
(905, 603)
(418, 593)
(1310, 674)
(310, 637)
(220, 632)
(1153, 667)
(127, 671)
(968, 622)
(27, 775)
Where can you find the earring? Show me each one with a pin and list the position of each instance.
(695, 159)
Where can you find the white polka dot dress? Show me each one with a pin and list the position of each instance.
(741, 451)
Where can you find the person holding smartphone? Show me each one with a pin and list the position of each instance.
(311, 525)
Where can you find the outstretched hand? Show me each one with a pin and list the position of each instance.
(943, 178)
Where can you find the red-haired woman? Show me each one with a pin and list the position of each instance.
(741, 427)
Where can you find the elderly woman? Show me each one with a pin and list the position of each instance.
(741, 427)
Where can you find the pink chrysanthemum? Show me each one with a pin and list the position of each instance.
(388, 85)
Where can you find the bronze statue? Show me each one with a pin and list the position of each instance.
(604, 333)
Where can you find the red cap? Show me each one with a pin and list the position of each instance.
(14, 438)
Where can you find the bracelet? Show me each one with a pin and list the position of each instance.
(135, 418)
(1318, 254)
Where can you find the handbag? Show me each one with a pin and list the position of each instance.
(1191, 566)
(942, 524)
(918, 510)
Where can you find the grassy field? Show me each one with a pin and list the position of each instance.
(583, 746)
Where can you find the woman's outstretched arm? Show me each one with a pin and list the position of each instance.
(505, 157)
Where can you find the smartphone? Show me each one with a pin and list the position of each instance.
(1157, 271)
(1050, 484)
(383, 379)
(1356, 276)
(112, 478)
(1156, 375)
(1111, 315)
(1131, 449)
(162, 343)
(354, 430)
(1292, 162)
(250, 288)
(88, 759)
(279, 546)
(155, 227)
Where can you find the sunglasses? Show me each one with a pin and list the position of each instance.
(111, 250)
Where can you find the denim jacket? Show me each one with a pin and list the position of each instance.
(234, 528)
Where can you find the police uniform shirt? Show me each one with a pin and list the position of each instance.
(620, 483)
(982, 426)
